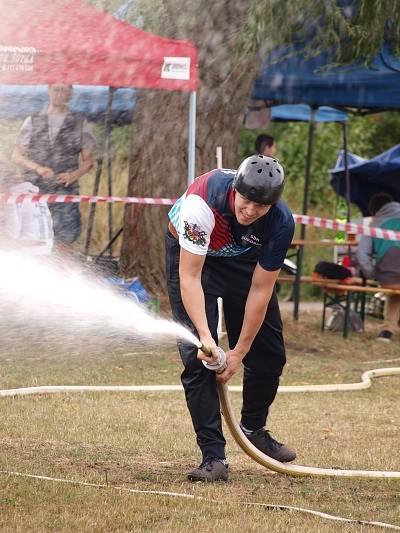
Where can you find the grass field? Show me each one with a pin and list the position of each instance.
(144, 441)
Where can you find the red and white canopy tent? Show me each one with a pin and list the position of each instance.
(68, 41)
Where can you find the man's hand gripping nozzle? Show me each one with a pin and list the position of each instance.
(220, 365)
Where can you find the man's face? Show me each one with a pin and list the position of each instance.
(247, 212)
(60, 94)
(270, 151)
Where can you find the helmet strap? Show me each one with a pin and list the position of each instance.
(231, 199)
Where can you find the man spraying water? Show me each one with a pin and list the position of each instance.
(228, 237)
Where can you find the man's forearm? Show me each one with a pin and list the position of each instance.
(19, 159)
(83, 168)
(193, 300)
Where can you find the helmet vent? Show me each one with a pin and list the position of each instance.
(259, 170)
(271, 175)
(254, 162)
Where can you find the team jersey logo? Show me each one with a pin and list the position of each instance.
(193, 233)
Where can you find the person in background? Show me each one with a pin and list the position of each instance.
(386, 267)
(55, 148)
(265, 145)
(228, 236)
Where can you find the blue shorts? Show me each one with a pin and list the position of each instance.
(67, 223)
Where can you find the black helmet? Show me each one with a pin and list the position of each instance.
(260, 179)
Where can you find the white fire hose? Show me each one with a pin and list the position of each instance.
(234, 428)
(284, 468)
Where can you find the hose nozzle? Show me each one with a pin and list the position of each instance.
(220, 365)
(206, 350)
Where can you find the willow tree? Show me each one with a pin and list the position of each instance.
(158, 165)
(229, 35)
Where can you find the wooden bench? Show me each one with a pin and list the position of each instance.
(310, 279)
(329, 243)
(343, 295)
(292, 279)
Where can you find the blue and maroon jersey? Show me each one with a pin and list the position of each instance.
(204, 219)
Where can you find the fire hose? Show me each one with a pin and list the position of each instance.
(229, 416)
(284, 468)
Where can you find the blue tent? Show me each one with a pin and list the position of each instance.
(288, 76)
(368, 176)
(19, 101)
(302, 113)
(258, 114)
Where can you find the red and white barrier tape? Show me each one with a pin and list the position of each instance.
(74, 198)
(318, 222)
(348, 227)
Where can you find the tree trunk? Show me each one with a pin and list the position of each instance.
(160, 130)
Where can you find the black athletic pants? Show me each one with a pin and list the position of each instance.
(229, 278)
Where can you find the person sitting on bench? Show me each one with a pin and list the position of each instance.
(386, 214)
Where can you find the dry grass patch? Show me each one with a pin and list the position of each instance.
(144, 441)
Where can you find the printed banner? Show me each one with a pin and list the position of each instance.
(17, 58)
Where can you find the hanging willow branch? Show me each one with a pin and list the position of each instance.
(353, 30)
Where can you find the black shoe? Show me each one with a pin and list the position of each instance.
(385, 336)
(210, 470)
(271, 447)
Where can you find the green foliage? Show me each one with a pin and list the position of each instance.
(368, 136)
(355, 30)
(121, 140)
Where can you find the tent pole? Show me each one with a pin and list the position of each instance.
(346, 169)
(100, 160)
(347, 185)
(300, 251)
(109, 244)
(110, 191)
(192, 137)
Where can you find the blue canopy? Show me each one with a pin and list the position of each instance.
(368, 176)
(257, 114)
(19, 101)
(289, 76)
(302, 113)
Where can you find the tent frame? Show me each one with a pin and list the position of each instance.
(106, 145)
(307, 176)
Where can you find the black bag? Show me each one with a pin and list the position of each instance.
(332, 270)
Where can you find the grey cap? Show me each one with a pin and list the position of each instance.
(260, 179)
